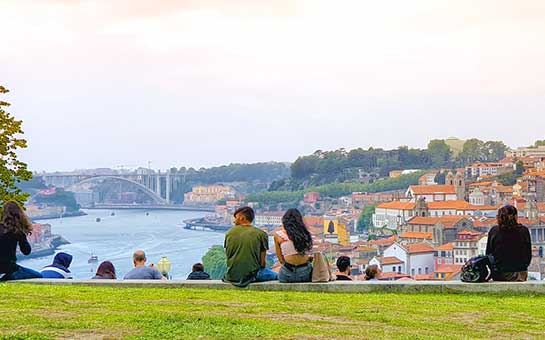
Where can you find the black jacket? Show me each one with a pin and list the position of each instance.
(511, 248)
(8, 248)
(198, 276)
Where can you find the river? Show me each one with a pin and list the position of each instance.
(115, 238)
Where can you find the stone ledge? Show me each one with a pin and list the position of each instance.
(448, 287)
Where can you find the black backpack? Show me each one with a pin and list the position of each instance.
(478, 269)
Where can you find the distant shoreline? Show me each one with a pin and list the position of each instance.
(53, 216)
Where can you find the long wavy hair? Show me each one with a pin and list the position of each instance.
(507, 217)
(297, 231)
(14, 220)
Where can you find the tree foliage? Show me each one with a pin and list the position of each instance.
(60, 198)
(215, 262)
(365, 219)
(12, 170)
(539, 143)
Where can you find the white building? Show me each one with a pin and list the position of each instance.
(269, 219)
(478, 169)
(392, 214)
(388, 264)
(527, 152)
(432, 193)
(418, 258)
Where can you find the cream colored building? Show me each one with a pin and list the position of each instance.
(209, 194)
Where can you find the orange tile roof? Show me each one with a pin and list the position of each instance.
(424, 277)
(362, 262)
(448, 268)
(311, 221)
(416, 234)
(385, 241)
(415, 248)
(389, 260)
(392, 275)
(397, 205)
(446, 221)
(445, 205)
(481, 184)
(446, 246)
(481, 207)
(432, 189)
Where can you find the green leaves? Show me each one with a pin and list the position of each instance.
(215, 262)
(12, 170)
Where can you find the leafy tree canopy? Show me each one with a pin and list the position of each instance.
(12, 170)
(214, 262)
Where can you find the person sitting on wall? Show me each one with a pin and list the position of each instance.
(106, 271)
(372, 273)
(14, 229)
(343, 269)
(198, 273)
(511, 246)
(293, 244)
(59, 268)
(246, 251)
(141, 271)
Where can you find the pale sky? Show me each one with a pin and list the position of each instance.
(200, 83)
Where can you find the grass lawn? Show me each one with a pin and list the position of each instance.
(42, 312)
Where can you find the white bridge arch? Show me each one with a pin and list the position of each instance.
(156, 198)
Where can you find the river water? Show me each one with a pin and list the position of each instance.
(116, 237)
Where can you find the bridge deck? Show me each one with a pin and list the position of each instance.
(448, 287)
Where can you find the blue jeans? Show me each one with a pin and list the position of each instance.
(22, 273)
(292, 274)
(265, 274)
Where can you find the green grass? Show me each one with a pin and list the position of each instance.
(44, 312)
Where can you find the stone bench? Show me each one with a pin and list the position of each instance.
(410, 287)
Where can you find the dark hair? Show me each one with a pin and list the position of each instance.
(507, 217)
(247, 212)
(371, 272)
(198, 267)
(14, 219)
(297, 231)
(106, 270)
(343, 262)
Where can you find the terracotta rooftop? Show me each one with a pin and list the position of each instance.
(416, 234)
(445, 205)
(446, 221)
(432, 189)
(448, 268)
(385, 241)
(397, 205)
(389, 260)
(415, 248)
(445, 247)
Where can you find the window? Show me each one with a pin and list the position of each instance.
(419, 271)
(427, 270)
(393, 269)
(399, 269)
(412, 272)
(439, 261)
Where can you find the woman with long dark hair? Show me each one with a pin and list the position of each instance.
(14, 228)
(511, 246)
(106, 271)
(293, 245)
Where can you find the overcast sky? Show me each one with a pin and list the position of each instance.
(207, 82)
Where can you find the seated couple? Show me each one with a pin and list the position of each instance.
(246, 250)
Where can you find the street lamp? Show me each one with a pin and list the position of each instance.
(164, 266)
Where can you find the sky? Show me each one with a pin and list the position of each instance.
(111, 83)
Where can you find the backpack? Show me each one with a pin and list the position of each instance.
(478, 269)
(321, 272)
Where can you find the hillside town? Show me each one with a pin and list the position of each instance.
(426, 232)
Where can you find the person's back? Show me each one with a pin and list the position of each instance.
(510, 248)
(198, 273)
(243, 247)
(8, 249)
(143, 273)
(510, 244)
(59, 268)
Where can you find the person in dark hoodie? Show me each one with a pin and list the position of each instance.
(198, 273)
(106, 271)
(59, 268)
(14, 228)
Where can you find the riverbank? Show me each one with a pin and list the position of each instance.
(46, 248)
(54, 215)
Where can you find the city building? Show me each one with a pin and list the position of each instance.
(428, 178)
(388, 264)
(418, 258)
(479, 169)
(269, 219)
(443, 229)
(335, 227)
(432, 193)
(363, 199)
(527, 152)
(444, 254)
(466, 246)
(311, 197)
(209, 194)
(392, 214)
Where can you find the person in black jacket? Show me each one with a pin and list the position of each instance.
(14, 228)
(198, 273)
(510, 244)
